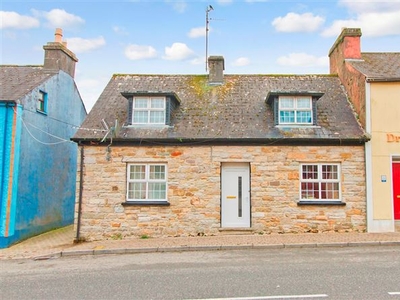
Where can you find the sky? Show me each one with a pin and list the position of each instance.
(169, 37)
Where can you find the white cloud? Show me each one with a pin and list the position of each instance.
(293, 22)
(136, 52)
(366, 6)
(198, 32)
(224, 2)
(90, 90)
(120, 30)
(241, 61)
(80, 45)
(13, 20)
(179, 6)
(178, 51)
(385, 21)
(59, 18)
(198, 61)
(303, 60)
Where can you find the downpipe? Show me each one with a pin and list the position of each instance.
(78, 225)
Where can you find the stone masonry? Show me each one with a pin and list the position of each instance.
(194, 191)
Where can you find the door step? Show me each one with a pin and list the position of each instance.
(397, 226)
(236, 230)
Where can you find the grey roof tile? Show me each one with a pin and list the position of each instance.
(379, 66)
(17, 81)
(235, 110)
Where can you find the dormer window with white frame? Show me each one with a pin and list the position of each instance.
(294, 108)
(150, 108)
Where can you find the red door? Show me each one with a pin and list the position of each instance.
(396, 190)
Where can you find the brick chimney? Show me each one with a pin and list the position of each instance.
(346, 49)
(216, 68)
(346, 46)
(58, 57)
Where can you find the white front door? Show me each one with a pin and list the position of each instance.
(235, 193)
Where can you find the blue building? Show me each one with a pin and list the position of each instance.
(40, 110)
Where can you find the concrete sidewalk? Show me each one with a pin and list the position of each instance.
(59, 242)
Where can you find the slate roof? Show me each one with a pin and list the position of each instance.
(379, 66)
(17, 81)
(234, 111)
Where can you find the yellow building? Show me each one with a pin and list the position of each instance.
(372, 81)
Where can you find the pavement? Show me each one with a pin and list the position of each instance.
(60, 243)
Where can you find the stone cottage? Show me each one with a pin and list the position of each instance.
(188, 155)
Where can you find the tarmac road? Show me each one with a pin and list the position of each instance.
(285, 273)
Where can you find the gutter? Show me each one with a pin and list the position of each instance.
(393, 79)
(176, 141)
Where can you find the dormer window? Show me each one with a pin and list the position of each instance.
(150, 108)
(294, 108)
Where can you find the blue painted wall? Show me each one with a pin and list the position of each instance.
(10, 131)
(48, 160)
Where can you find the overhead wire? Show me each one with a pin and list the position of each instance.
(62, 140)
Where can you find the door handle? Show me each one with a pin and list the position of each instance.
(398, 196)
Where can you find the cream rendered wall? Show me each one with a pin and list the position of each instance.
(385, 120)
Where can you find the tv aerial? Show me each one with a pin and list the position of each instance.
(208, 9)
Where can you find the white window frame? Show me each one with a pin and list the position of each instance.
(147, 181)
(313, 196)
(148, 109)
(295, 109)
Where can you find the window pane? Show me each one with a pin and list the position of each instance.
(303, 102)
(137, 172)
(40, 104)
(140, 116)
(304, 117)
(157, 172)
(157, 190)
(286, 102)
(157, 117)
(157, 103)
(137, 190)
(329, 172)
(309, 190)
(140, 103)
(329, 190)
(286, 117)
(310, 172)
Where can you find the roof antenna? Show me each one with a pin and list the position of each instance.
(209, 8)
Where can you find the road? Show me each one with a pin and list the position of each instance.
(295, 273)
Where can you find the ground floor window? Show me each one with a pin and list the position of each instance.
(147, 182)
(320, 182)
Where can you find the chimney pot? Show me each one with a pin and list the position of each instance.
(58, 35)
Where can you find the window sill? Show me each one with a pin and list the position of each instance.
(297, 125)
(146, 203)
(318, 202)
(41, 112)
(148, 126)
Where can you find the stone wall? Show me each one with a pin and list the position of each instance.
(194, 191)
